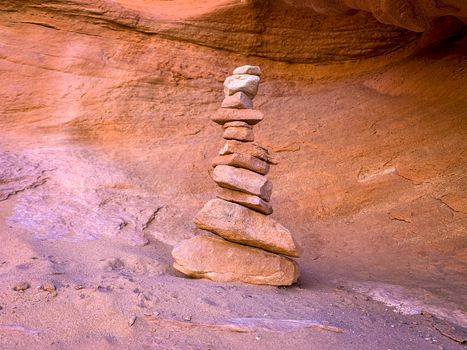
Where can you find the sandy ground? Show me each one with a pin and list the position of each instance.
(110, 296)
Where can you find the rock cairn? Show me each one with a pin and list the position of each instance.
(248, 245)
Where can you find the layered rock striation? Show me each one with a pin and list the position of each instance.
(252, 246)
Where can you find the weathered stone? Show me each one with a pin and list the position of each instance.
(225, 115)
(238, 224)
(241, 160)
(242, 180)
(254, 70)
(252, 149)
(246, 83)
(247, 200)
(236, 124)
(239, 133)
(219, 260)
(238, 100)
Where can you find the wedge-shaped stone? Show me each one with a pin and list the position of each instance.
(222, 261)
(239, 100)
(255, 70)
(246, 83)
(252, 149)
(243, 180)
(247, 200)
(242, 225)
(225, 115)
(241, 160)
(239, 133)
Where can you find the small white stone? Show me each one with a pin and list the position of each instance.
(253, 70)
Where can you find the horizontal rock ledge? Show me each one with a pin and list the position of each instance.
(238, 224)
(222, 261)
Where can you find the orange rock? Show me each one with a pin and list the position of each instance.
(242, 180)
(219, 260)
(241, 160)
(242, 225)
(237, 124)
(239, 133)
(250, 116)
(247, 200)
(252, 149)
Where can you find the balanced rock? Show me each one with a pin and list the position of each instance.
(239, 133)
(219, 260)
(242, 225)
(247, 200)
(241, 160)
(246, 83)
(254, 70)
(242, 180)
(237, 124)
(249, 148)
(225, 115)
(238, 100)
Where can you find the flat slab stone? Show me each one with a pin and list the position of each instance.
(245, 161)
(243, 180)
(249, 116)
(222, 261)
(250, 148)
(238, 100)
(247, 69)
(247, 200)
(246, 83)
(239, 133)
(238, 224)
(237, 124)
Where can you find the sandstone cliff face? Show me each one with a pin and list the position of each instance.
(107, 104)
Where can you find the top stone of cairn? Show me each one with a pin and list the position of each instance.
(253, 70)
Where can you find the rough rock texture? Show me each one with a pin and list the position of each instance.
(247, 200)
(415, 15)
(249, 116)
(246, 83)
(252, 149)
(255, 70)
(243, 180)
(237, 100)
(239, 224)
(219, 260)
(105, 109)
(239, 133)
(241, 160)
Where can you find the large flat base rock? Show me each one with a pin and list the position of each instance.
(238, 224)
(219, 260)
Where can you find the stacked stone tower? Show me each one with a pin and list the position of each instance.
(247, 245)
